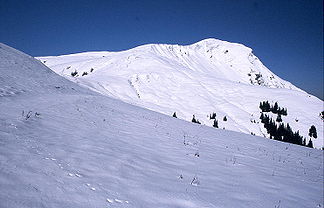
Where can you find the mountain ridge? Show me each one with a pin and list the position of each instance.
(205, 77)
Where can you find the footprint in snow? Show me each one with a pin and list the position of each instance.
(78, 175)
(91, 188)
(117, 201)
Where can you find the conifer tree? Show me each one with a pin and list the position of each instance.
(174, 115)
(275, 108)
(312, 132)
(225, 118)
(193, 119)
(215, 123)
(212, 116)
(310, 143)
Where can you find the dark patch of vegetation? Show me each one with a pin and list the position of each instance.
(266, 107)
(73, 74)
(282, 132)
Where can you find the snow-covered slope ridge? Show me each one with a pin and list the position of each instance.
(65, 146)
(206, 77)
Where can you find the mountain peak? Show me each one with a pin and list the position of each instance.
(198, 79)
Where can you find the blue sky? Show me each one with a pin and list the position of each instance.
(287, 35)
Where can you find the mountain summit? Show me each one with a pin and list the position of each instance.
(210, 76)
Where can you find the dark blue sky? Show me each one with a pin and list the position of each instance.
(287, 35)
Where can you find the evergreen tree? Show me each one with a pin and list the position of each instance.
(212, 116)
(274, 109)
(73, 74)
(175, 115)
(284, 112)
(224, 119)
(267, 107)
(215, 123)
(193, 119)
(279, 118)
(261, 106)
(310, 143)
(312, 132)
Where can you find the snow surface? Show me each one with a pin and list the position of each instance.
(62, 145)
(206, 77)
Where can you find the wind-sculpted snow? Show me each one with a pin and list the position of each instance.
(65, 146)
(206, 77)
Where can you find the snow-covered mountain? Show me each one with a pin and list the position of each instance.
(202, 78)
(62, 145)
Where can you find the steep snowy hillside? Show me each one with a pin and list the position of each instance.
(206, 77)
(65, 146)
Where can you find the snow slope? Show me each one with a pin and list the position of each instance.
(62, 145)
(206, 77)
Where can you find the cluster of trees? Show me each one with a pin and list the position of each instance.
(283, 132)
(211, 116)
(75, 72)
(266, 107)
(194, 120)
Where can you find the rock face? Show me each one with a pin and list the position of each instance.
(202, 78)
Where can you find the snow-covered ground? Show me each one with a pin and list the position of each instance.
(206, 77)
(62, 145)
